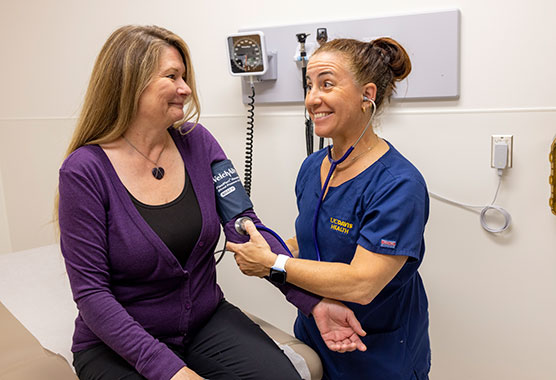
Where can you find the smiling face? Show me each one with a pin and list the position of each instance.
(334, 99)
(161, 103)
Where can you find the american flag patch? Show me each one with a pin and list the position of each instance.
(388, 243)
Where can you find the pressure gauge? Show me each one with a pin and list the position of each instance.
(247, 53)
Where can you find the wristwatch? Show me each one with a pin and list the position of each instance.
(278, 270)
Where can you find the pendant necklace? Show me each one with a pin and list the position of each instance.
(158, 171)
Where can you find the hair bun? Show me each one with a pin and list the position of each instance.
(394, 56)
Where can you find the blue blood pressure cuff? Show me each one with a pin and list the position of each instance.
(231, 197)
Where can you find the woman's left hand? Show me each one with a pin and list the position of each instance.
(254, 258)
(339, 328)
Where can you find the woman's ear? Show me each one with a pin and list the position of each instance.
(369, 90)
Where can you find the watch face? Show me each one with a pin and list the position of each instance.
(277, 276)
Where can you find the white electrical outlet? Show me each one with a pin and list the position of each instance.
(509, 140)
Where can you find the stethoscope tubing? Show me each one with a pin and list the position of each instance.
(240, 229)
(263, 228)
(333, 165)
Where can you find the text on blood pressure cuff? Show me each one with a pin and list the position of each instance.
(231, 197)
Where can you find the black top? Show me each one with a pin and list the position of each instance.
(177, 223)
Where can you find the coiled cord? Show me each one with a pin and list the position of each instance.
(249, 143)
(484, 209)
(248, 157)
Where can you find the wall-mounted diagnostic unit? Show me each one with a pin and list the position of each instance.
(278, 74)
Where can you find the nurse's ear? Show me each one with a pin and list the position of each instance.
(369, 92)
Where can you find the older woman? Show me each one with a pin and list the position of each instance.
(139, 223)
(362, 214)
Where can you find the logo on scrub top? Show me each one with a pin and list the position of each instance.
(340, 225)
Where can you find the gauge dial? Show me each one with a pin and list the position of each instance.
(247, 54)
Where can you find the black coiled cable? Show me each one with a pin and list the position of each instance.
(249, 143)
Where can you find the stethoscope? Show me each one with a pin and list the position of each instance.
(333, 164)
(239, 227)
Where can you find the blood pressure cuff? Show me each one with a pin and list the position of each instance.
(231, 197)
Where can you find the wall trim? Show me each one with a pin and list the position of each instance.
(453, 111)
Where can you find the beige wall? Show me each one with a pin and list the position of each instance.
(31, 151)
(491, 296)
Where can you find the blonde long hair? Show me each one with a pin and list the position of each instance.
(124, 68)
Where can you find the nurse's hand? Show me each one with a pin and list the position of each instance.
(254, 258)
(338, 326)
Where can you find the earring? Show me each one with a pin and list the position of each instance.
(364, 109)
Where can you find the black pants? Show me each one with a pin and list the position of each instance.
(229, 347)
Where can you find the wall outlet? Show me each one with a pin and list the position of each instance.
(509, 140)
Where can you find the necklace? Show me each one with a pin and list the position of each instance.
(352, 159)
(158, 171)
(360, 154)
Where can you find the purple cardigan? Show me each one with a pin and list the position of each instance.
(130, 290)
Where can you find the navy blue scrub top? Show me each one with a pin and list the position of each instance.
(384, 209)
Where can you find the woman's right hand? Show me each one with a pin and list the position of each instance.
(185, 373)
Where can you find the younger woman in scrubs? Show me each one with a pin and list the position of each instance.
(369, 230)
